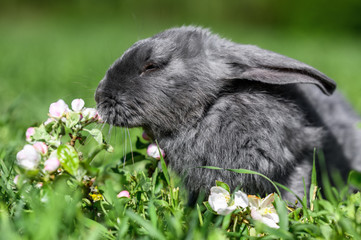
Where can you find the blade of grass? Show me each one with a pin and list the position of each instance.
(313, 187)
(326, 180)
(200, 215)
(163, 165)
(246, 171)
(153, 232)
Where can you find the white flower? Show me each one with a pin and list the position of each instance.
(51, 164)
(58, 109)
(28, 158)
(220, 200)
(263, 210)
(153, 151)
(77, 104)
(41, 147)
(89, 113)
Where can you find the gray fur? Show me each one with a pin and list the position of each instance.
(211, 102)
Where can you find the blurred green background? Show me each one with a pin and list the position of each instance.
(61, 49)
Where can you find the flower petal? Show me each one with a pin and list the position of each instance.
(217, 201)
(153, 151)
(28, 158)
(77, 104)
(254, 201)
(255, 214)
(227, 210)
(41, 147)
(240, 199)
(124, 193)
(270, 222)
(219, 190)
(267, 201)
(58, 108)
(29, 132)
(51, 164)
(273, 216)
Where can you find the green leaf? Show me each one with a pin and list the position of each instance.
(226, 221)
(282, 213)
(97, 135)
(97, 228)
(41, 134)
(223, 185)
(73, 119)
(151, 230)
(209, 208)
(68, 158)
(354, 178)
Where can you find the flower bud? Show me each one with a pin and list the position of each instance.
(153, 151)
(49, 120)
(16, 179)
(28, 158)
(77, 104)
(145, 136)
(41, 147)
(124, 193)
(58, 108)
(29, 132)
(51, 164)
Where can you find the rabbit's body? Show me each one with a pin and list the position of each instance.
(212, 102)
(232, 135)
(341, 143)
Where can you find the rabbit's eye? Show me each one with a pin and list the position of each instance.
(150, 67)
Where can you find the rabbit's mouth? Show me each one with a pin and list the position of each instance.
(118, 114)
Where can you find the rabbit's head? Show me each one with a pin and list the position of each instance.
(171, 79)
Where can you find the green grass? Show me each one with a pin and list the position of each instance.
(46, 57)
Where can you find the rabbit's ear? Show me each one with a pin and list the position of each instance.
(255, 64)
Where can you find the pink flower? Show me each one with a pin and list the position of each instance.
(58, 108)
(124, 193)
(29, 132)
(153, 151)
(28, 158)
(41, 147)
(99, 118)
(77, 104)
(51, 164)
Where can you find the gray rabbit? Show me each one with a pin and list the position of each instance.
(212, 102)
